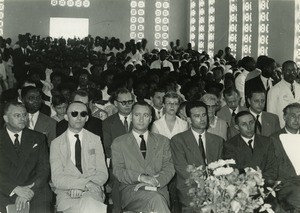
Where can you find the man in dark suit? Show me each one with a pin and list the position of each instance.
(249, 149)
(32, 98)
(263, 81)
(94, 124)
(114, 126)
(21, 60)
(289, 193)
(24, 163)
(266, 123)
(194, 147)
(142, 160)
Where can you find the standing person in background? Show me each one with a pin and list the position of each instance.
(285, 92)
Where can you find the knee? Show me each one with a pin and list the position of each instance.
(157, 201)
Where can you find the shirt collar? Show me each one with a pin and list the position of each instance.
(253, 113)
(137, 135)
(298, 132)
(12, 135)
(122, 117)
(247, 139)
(71, 134)
(196, 134)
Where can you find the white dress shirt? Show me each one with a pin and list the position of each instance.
(72, 140)
(13, 137)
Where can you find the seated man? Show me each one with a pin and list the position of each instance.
(142, 159)
(289, 193)
(195, 146)
(78, 173)
(249, 149)
(24, 163)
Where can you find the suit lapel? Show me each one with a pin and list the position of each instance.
(210, 149)
(27, 143)
(135, 150)
(192, 145)
(9, 148)
(151, 149)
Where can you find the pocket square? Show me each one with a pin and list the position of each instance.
(34, 145)
(92, 151)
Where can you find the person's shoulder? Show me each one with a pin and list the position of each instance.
(214, 137)
(158, 137)
(110, 118)
(262, 139)
(89, 135)
(270, 115)
(47, 118)
(33, 134)
(122, 138)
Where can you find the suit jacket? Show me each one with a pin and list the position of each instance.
(185, 151)
(263, 155)
(65, 174)
(286, 170)
(19, 59)
(93, 125)
(30, 166)
(269, 123)
(112, 128)
(129, 163)
(47, 126)
(253, 84)
(225, 114)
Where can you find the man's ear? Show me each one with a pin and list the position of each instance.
(5, 118)
(236, 127)
(86, 118)
(66, 117)
(188, 119)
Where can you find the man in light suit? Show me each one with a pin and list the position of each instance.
(289, 193)
(114, 126)
(232, 107)
(78, 167)
(32, 98)
(142, 160)
(266, 123)
(187, 148)
(24, 163)
(251, 150)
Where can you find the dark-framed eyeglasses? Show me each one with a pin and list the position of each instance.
(82, 114)
(125, 102)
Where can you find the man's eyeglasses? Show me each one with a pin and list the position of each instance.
(125, 102)
(82, 114)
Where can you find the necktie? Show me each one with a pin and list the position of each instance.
(257, 125)
(126, 124)
(292, 90)
(162, 65)
(31, 124)
(143, 146)
(158, 114)
(250, 145)
(17, 143)
(202, 151)
(78, 153)
(233, 113)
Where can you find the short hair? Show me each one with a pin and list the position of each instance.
(142, 103)
(119, 91)
(251, 92)
(11, 103)
(81, 93)
(286, 63)
(218, 68)
(288, 107)
(229, 91)
(158, 89)
(27, 89)
(240, 114)
(171, 94)
(58, 100)
(78, 102)
(210, 97)
(193, 104)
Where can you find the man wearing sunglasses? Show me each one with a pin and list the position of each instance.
(78, 167)
(93, 124)
(114, 126)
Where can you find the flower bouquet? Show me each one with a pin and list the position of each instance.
(219, 188)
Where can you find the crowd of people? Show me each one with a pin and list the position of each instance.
(87, 123)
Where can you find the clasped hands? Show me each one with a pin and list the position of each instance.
(90, 186)
(147, 180)
(24, 194)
